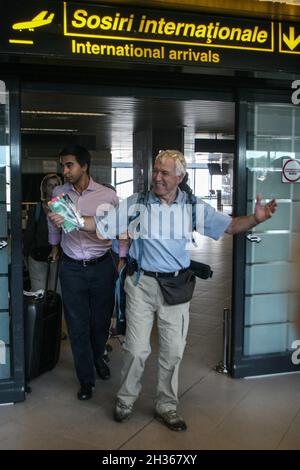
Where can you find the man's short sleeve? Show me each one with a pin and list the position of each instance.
(210, 222)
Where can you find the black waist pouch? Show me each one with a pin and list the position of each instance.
(179, 289)
(201, 270)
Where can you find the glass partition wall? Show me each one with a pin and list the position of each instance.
(269, 301)
(267, 297)
(5, 245)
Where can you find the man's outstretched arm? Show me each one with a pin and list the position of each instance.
(262, 213)
(89, 222)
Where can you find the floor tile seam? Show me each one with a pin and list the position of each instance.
(195, 383)
(222, 420)
(135, 433)
(288, 428)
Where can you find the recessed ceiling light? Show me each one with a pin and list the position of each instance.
(41, 129)
(63, 113)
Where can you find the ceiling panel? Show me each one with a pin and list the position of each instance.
(122, 116)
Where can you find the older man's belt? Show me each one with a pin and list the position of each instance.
(177, 287)
(164, 275)
(201, 270)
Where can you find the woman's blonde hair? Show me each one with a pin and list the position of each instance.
(44, 181)
(178, 157)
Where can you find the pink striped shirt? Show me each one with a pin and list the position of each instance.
(78, 244)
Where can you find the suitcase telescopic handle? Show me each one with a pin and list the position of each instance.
(48, 274)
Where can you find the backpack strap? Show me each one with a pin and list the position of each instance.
(37, 212)
(193, 201)
(142, 199)
(190, 198)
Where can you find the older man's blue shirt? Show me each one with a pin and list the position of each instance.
(166, 230)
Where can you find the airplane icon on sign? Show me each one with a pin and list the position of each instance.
(39, 20)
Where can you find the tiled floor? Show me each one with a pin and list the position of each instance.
(221, 413)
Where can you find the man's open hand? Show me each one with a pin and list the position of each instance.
(264, 211)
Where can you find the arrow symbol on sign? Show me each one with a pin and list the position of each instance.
(290, 40)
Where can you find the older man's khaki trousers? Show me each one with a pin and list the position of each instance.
(142, 303)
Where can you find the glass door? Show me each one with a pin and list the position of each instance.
(11, 317)
(264, 299)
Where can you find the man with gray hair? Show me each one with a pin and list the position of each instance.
(159, 282)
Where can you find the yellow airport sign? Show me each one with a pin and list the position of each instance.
(128, 33)
(159, 29)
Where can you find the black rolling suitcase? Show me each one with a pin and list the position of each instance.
(42, 330)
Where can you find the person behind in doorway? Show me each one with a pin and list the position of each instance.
(36, 248)
(156, 259)
(87, 271)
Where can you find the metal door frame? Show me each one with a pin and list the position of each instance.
(13, 389)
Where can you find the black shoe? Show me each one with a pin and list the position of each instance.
(102, 369)
(85, 392)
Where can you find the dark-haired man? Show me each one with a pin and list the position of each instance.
(87, 272)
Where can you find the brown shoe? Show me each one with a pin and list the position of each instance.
(171, 420)
(122, 411)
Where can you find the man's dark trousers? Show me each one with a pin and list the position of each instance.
(88, 298)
